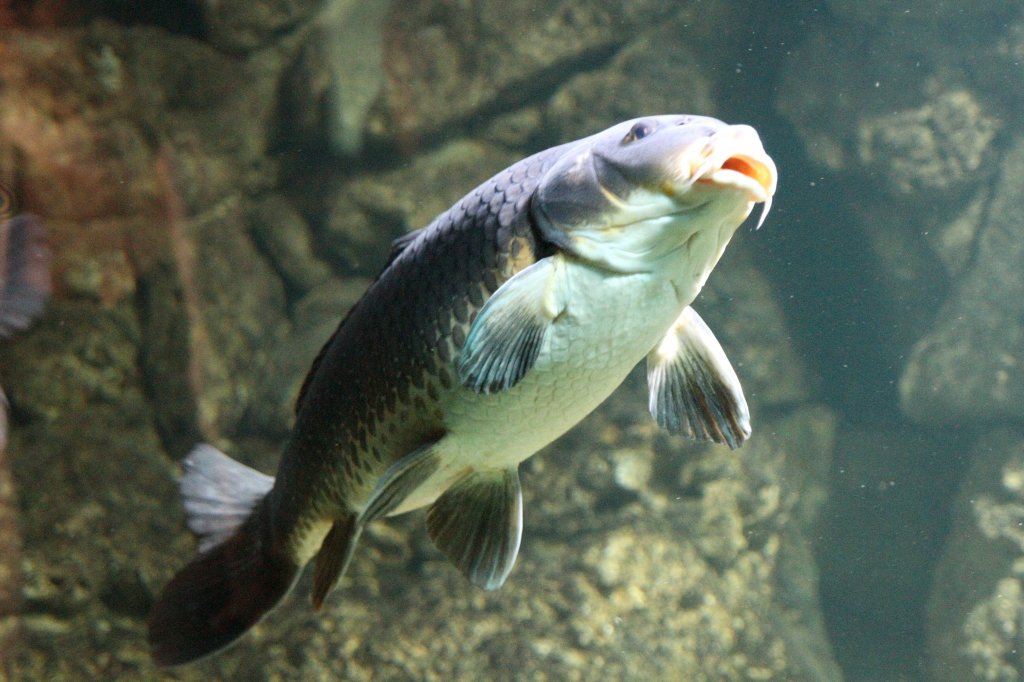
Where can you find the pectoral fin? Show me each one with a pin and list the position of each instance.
(477, 523)
(693, 388)
(508, 334)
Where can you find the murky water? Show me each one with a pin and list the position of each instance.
(220, 181)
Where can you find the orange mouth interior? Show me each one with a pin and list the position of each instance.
(752, 169)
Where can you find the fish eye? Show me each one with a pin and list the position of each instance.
(639, 131)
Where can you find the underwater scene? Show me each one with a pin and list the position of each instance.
(430, 266)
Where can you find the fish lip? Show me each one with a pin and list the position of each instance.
(753, 174)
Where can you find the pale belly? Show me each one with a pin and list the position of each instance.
(612, 324)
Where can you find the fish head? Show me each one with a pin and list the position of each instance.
(628, 197)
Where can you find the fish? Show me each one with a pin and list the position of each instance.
(25, 282)
(24, 289)
(489, 333)
(24, 272)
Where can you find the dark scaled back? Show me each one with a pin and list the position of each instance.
(436, 280)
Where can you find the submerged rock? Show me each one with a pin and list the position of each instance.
(10, 563)
(246, 25)
(94, 489)
(976, 612)
(282, 233)
(141, 170)
(638, 72)
(362, 215)
(916, 136)
(448, 64)
(900, 121)
(138, 148)
(938, 146)
(209, 324)
(966, 368)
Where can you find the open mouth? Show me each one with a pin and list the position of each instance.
(754, 175)
(746, 173)
(753, 169)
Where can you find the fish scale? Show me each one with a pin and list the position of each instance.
(401, 315)
(489, 333)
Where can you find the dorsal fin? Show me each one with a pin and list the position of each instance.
(399, 244)
(312, 370)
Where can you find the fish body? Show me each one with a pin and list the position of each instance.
(488, 334)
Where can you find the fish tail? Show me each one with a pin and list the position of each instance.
(237, 578)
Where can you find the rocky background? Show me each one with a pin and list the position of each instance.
(221, 178)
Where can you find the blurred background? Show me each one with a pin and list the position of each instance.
(219, 180)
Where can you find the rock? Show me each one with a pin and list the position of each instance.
(217, 125)
(10, 556)
(245, 25)
(366, 213)
(908, 129)
(219, 315)
(589, 102)
(143, 186)
(282, 233)
(271, 410)
(95, 491)
(954, 243)
(73, 171)
(965, 369)
(976, 610)
(449, 65)
(936, 147)
(910, 142)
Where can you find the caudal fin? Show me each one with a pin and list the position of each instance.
(236, 579)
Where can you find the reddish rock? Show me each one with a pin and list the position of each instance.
(138, 149)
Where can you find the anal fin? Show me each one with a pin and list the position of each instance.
(693, 388)
(334, 556)
(400, 479)
(398, 482)
(478, 523)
